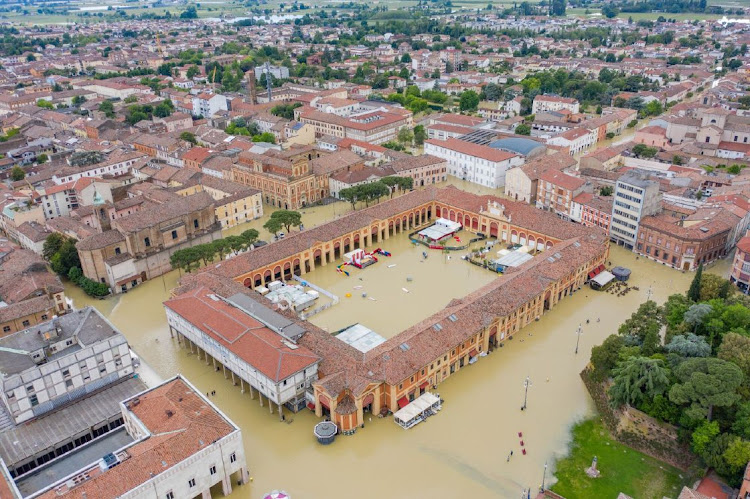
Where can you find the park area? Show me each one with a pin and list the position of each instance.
(622, 468)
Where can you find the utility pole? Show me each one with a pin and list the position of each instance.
(578, 336)
(526, 385)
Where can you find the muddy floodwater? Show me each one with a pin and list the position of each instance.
(462, 451)
(399, 290)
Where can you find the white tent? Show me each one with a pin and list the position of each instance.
(602, 279)
(413, 413)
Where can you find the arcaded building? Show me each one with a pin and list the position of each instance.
(390, 375)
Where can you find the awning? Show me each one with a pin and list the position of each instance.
(592, 275)
(311, 406)
(473, 352)
(424, 385)
(600, 268)
(403, 402)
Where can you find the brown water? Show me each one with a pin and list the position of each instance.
(388, 309)
(459, 453)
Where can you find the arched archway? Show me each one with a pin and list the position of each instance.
(247, 282)
(267, 276)
(277, 273)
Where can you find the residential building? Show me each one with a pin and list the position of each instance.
(635, 197)
(29, 292)
(740, 274)
(686, 243)
(476, 163)
(556, 190)
(58, 361)
(521, 183)
(545, 103)
(207, 104)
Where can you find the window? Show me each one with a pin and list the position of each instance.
(170, 495)
(174, 234)
(66, 373)
(26, 323)
(34, 401)
(196, 224)
(117, 251)
(44, 317)
(191, 483)
(147, 242)
(233, 457)
(68, 383)
(6, 329)
(212, 470)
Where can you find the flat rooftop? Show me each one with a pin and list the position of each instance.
(360, 337)
(29, 439)
(74, 461)
(87, 324)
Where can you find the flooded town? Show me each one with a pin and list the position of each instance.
(445, 249)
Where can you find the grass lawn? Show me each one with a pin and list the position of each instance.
(622, 468)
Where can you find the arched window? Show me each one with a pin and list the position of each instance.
(147, 242)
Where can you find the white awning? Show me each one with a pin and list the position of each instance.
(417, 407)
(603, 278)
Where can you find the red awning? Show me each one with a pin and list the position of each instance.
(403, 402)
(473, 352)
(424, 385)
(592, 275)
(600, 268)
(311, 406)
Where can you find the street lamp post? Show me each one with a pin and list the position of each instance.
(578, 336)
(544, 477)
(526, 385)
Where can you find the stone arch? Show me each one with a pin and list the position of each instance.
(549, 244)
(247, 282)
(267, 275)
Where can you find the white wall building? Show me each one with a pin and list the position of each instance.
(247, 338)
(479, 164)
(635, 197)
(53, 363)
(206, 105)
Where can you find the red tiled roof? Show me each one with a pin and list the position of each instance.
(241, 334)
(476, 150)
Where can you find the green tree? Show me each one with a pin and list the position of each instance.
(704, 435)
(405, 136)
(643, 321)
(737, 455)
(248, 237)
(188, 137)
(604, 357)
(741, 425)
(52, 245)
(420, 134)
(606, 191)
(42, 158)
(637, 379)
(469, 101)
(288, 218)
(265, 137)
(350, 194)
(705, 383)
(17, 173)
(65, 258)
(273, 225)
(735, 348)
(107, 108)
(689, 345)
(523, 129)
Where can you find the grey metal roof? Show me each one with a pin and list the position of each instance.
(29, 439)
(77, 460)
(518, 145)
(87, 324)
(274, 320)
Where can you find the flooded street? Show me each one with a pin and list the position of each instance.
(462, 451)
(435, 280)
